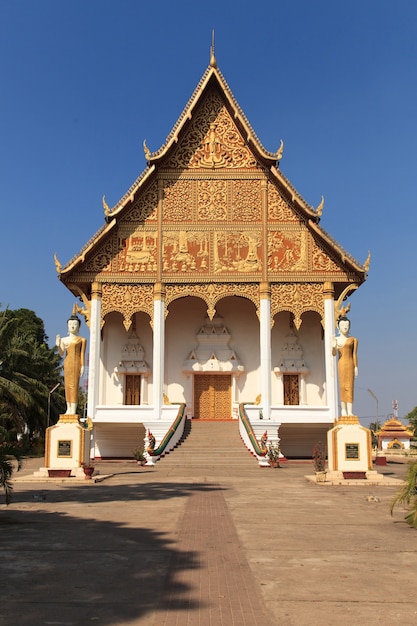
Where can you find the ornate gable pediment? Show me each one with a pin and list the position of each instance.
(212, 207)
(212, 140)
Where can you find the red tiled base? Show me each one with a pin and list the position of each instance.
(220, 589)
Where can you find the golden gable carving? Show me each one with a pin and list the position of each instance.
(212, 140)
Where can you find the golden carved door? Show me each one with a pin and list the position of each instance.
(213, 396)
(132, 389)
(291, 389)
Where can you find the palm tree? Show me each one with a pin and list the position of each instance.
(408, 495)
(8, 454)
(29, 369)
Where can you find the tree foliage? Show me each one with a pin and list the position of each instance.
(412, 419)
(408, 496)
(29, 369)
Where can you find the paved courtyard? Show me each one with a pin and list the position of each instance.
(205, 546)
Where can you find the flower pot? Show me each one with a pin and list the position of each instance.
(354, 475)
(59, 473)
(88, 471)
(273, 463)
(320, 477)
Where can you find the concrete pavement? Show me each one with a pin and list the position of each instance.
(205, 545)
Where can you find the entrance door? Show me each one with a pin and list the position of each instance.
(132, 389)
(291, 389)
(213, 396)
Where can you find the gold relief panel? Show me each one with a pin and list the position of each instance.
(297, 298)
(178, 200)
(321, 261)
(144, 208)
(185, 251)
(127, 300)
(102, 261)
(212, 140)
(138, 251)
(237, 251)
(213, 293)
(287, 251)
(212, 200)
(279, 210)
(246, 201)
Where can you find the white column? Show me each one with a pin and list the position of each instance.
(158, 350)
(265, 348)
(330, 360)
(94, 358)
(94, 351)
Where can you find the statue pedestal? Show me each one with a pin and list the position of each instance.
(67, 446)
(349, 447)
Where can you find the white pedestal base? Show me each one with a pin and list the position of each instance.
(349, 446)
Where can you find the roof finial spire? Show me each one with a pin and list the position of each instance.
(213, 62)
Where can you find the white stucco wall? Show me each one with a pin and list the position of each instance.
(115, 338)
(310, 338)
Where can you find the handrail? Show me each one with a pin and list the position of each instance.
(170, 433)
(259, 451)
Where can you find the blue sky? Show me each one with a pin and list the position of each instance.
(84, 82)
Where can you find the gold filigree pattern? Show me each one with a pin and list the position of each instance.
(321, 261)
(287, 251)
(101, 262)
(212, 200)
(279, 209)
(127, 300)
(178, 201)
(212, 293)
(297, 298)
(246, 203)
(144, 208)
(212, 140)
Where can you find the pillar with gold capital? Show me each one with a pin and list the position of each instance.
(265, 347)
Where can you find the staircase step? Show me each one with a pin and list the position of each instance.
(206, 443)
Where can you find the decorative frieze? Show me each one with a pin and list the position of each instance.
(297, 298)
(127, 300)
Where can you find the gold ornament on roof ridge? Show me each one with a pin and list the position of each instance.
(58, 265)
(319, 209)
(146, 150)
(280, 151)
(107, 209)
(367, 263)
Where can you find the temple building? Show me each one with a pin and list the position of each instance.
(394, 435)
(211, 286)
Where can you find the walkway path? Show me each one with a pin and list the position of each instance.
(205, 546)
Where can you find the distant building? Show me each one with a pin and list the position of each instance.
(211, 283)
(394, 436)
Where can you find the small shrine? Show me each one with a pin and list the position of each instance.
(394, 435)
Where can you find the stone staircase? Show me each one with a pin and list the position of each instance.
(210, 444)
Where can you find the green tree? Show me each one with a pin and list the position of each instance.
(29, 369)
(411, 417)
(408, 496)
(374, 427)
(9, 454)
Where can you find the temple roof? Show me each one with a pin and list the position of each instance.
(394, 428)
(213, 79)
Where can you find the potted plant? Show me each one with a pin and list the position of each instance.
(319, 461)
(273, 454)
(88, 470)
(139, 455)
